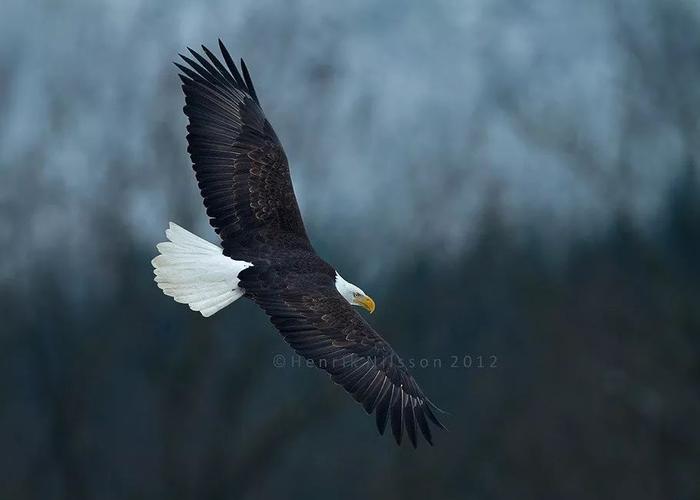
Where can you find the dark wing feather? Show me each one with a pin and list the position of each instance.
(239, 163)
(320, 325)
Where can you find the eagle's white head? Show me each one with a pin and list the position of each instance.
(353, 294)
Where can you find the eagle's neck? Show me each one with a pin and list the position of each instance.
(345, 288)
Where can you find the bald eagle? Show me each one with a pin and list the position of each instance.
(266, 255)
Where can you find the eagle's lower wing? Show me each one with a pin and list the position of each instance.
(239, 163)
(320, 325)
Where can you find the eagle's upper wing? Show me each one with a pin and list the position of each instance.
(239, 163)
(320, 325)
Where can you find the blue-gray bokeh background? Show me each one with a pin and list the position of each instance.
(510, 179)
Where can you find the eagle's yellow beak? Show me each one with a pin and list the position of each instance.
(366, 302)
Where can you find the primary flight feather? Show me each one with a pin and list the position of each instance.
(243, 176)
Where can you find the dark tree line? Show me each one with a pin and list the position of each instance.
(594, 391)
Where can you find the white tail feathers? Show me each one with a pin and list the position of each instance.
(197, 273)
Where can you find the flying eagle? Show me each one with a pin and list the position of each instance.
(243, 176)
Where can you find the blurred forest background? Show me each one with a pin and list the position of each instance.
(510, 179)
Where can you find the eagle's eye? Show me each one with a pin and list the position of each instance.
(355, 294)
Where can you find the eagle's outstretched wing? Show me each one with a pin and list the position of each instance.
(321, 326)
(240, 165)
